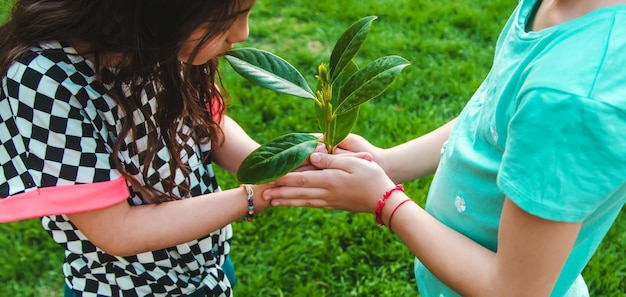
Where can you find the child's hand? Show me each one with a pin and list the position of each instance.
(321, 148)
(346, 182)
(353, 143)
(356, 143)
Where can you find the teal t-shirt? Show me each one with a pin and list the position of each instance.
(546, 128)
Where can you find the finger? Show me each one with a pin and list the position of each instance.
(365, 156)
(340, 151)
(310, 178)
(321, 148)
(325, 161)
(354, 142)
(296, 196)
(305, 167)
(300, 203)
(362, 155)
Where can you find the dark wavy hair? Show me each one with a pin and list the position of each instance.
(145, 36)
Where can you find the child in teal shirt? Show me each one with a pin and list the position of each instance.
(529, 177)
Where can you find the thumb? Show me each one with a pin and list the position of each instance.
(322, 161)
(328, 161)
(317, 160)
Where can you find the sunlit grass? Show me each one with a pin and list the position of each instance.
(308, 252)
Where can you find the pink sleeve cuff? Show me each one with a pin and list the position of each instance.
(63, 200)
(217, 115)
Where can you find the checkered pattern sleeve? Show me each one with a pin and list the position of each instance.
(53, 157)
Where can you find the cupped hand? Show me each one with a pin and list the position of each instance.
(356, 143)
(347, 182)
(353, 143)
(306, 165)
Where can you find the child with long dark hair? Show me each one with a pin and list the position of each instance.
(110, 118)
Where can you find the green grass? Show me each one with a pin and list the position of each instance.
(309, 252)
(5, 9)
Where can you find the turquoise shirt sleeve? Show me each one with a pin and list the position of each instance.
(566, 154)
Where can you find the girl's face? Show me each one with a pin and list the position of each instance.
(219, 45)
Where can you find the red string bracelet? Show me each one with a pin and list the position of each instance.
(381, 204)
(394, 211)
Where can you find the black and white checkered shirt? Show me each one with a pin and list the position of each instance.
(57, 128)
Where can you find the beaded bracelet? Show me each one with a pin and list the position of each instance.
(250, 193)
(381, 204)
(394, 211)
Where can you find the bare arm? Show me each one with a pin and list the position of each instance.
(237, 146)
(423, 153)
(531, 251)
(126, 230)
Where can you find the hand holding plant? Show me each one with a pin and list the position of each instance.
(341, 88)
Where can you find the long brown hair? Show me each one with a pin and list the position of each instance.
(145, 36)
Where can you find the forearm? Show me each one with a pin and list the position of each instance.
(461, 263)
(236, 147)
(180, 221)
(127, 230)
(530, 255)
(416, 158)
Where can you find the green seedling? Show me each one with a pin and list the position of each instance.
(341, 88)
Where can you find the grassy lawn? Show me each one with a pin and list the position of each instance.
(308, 252)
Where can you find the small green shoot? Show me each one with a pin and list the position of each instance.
(341, 88)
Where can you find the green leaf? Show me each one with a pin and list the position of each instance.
(370, 82)
(348, 45)
(269, 71)
(350, 69)
(276, 158)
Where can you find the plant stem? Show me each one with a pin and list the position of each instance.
(329, 147)
(325, 95)
(328, 117)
